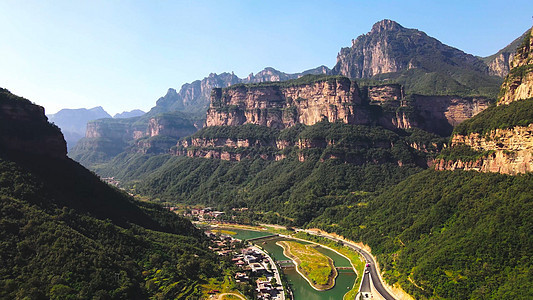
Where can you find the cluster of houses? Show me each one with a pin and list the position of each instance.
(203, 214)
(254, 263)
(111, 181)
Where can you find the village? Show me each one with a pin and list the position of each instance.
(253, 263)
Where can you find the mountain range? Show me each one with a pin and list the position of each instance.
(408, 146)
(392, 54)
(446, 213)
(73, 122)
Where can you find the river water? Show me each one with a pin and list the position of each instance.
(300, 287)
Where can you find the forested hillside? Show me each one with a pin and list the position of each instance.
(67, 235)
(293, 190)
(448, 235)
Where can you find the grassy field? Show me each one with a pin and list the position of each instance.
(354, 257)
(222, 231)
(315, 266)
(225, 286)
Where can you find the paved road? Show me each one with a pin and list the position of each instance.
(365, 285)
(369, 260)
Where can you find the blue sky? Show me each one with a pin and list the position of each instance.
(124, 55)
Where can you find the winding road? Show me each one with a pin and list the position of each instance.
(378, 285)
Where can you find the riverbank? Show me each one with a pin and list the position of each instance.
(317, 269)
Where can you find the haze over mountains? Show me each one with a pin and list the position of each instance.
(73, 122)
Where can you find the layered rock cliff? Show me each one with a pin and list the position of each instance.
(510, 151)
(281, 106)
(195, 96)
(440, 114)
(105, 138)
(313, 99)
(24, 128)
(502, 137)
(73, 122)
(354, 144)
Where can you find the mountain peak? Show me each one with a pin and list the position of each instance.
(385, 25)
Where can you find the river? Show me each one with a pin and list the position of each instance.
(300, 287)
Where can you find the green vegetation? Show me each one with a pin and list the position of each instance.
(304, 80)
(449, 235)
(315, 266)
(355, 258)
(223, 231)
(463, 153)
(287, 191)
(518, 113)
(75, 237)
(250, 132)
(448, 81)
(116, 136)
(67, 235)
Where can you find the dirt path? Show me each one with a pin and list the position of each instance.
(221, 296)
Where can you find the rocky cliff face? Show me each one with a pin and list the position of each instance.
(339, 99)
(518, 85)
(24, 128)
(73, 122)
(284, 106)
(106, 138)
(500, 63)
(107, 128)
(382, 93)
(389, 47)
(195, 96)
(170, 125)
(510, 151)
(439, 114)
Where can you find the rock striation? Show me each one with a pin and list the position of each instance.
(195, 96)
(500, 63)
(281, 106)
(312, 100)
(389, 47)
(508, 149)
(338, 99)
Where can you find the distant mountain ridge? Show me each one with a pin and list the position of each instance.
(194, 97)
(129, 114)
(68, 235)
(499, 63)
(388, 54)
(73, 122)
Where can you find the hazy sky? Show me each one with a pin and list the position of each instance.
(125, 54)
